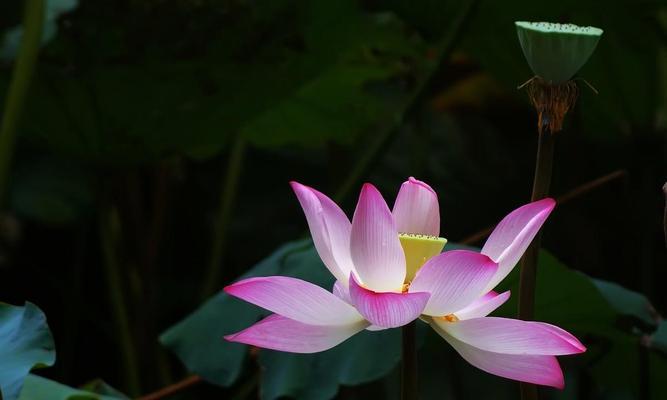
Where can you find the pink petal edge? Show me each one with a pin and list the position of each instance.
(513, 235)
(295, 299)
(483, 306)
(513, 336)
(388, 310)
(416, 209)
(329, 227)
(537, 369)
(283, 334)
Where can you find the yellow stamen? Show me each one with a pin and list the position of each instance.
(418, 249)
(450, 318)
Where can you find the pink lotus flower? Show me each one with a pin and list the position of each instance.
(387, 279)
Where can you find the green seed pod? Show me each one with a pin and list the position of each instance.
(555, 52)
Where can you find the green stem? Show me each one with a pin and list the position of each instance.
(409, 362)
(527, 280)
(33, 20)
(121, 320)
(227, 198)
(664, 218)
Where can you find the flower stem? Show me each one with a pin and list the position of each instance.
(227, 198)
(541, 182)
(527, 281)
(664, 220)
(33, 20)
(119, 310)
(409, 362)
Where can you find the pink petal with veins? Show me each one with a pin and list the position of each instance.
(454, 279)
(329, 228)
(416, 209)
(483, 306)
(376, 251)
(510, 239)
(295, 299)
(513, 336)
(388, 310)
(283, 334)
(537, 369)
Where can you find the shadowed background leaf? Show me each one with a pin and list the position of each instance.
(25, 343)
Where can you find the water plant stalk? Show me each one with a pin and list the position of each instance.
(409, 362)
(527, 280)
(33, 19)
(227, 199)
(664, 219)
(118, 307)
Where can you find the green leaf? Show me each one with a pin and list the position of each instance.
(625, 301)
(557, 285)
(659, 338)
(363, 358)
(198, 339)
(25, 343)
(98, 386)
(38, 388)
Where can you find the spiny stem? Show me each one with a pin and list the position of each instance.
(527, 280)
(119, 310)
(409, 362)
(33, 20)
(227, 198)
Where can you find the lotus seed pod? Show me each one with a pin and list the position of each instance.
(555, 52)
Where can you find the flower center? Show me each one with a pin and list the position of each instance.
(450, 318)
(418, 249)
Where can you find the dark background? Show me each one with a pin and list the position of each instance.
(141, 113)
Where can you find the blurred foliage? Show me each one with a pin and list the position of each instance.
(659, 338)
(277, 73)
(37, 387)
(51, 191)
(25, 343)
(626, 301)
(134, 106)
(54, 8)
